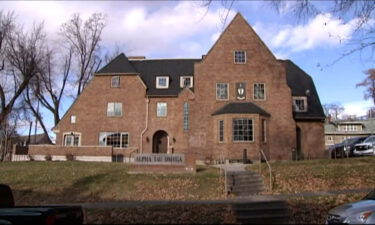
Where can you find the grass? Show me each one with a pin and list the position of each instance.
(73, 182)
(320, 175)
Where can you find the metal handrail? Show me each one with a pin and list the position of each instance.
(269, 167)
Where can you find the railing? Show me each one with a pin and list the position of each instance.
(269, 166)
(131, 153)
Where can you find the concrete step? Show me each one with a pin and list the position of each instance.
(230, 179)
(247, 187)
(247, 193)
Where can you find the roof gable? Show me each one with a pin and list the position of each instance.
(301, 84)
(241, 108)
(239, 30)
(119, 65)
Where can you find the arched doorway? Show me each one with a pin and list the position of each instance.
(160, 142)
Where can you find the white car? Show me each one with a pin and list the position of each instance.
(367, 147)
(360, 212)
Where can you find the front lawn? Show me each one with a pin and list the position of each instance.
(74, 182)
(320, 175)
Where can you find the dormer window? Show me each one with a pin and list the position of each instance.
(162, 82)
(300, 104)
(186, 81)
(239, 57)
(115, 81)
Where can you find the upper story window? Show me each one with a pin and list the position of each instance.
(115, 81)
(161, 109)
(72, 139)
(73, 119)
(222, 91)
(114, 109)
(259, 92)
(240, 57)
(115, 139)
(350, 127)
(162, 82)
(186, 81)
(300, 104)
(186, 116)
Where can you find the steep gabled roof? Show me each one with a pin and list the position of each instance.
(241, 108)
(119, 65)
(173, 68)
(302, 84)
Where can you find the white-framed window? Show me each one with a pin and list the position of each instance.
(300, 104)
(73, 119)
(259, 91)
(264, 131)
(186, 81)
(350, 127)
(72, 139)
(186, 116)
(243, 130)
(114, 139)
(162, 82)
(221, 130)
(114, 109)
(239, 57)
(161, 109)
(115, 81)
(222, 91)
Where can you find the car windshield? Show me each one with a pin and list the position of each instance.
(370, 139)
(370, 196)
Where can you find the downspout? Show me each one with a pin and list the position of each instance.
(144, 131)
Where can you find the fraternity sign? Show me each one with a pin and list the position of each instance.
(159, 159)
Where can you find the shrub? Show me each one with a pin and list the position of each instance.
(48, 158)
(69, 157)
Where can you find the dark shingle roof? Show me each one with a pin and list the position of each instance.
(241, 107)
(299, 81)
(174, 68)
(120, 64)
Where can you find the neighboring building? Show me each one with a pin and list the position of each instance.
(338, 131)
(34, 139)
(238, 96)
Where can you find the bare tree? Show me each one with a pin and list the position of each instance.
(333, 110)
(369, 84)
(84, 38)
(50, 87)
(7, 134)
(22, 53)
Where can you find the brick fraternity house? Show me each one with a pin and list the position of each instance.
(238, 96)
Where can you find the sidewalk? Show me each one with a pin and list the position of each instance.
(255, 198)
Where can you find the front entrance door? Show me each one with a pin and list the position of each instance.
(160, 142)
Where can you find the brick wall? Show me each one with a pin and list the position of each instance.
(76, 151)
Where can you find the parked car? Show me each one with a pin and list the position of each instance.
(49, 214)
(360, 212)
(346, 148)
(367, 147)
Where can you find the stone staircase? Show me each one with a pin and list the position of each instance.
(244, 183)
(262, 212)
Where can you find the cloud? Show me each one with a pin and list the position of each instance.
(359, 108)
(153, 29)
(322, 30)
(166, 30)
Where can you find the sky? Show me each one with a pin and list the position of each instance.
(188, 29)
